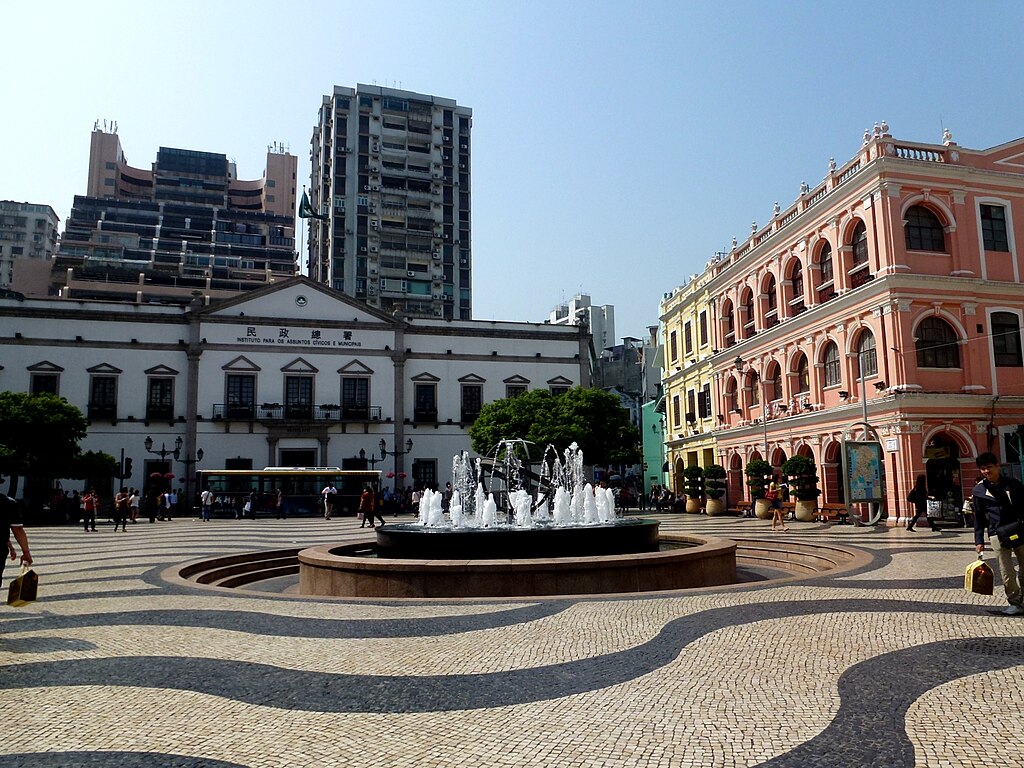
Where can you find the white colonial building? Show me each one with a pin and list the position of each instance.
(293, 374)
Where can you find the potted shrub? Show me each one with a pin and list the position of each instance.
(803, 485)
(759, 475)
(714, 489)
(693, 487)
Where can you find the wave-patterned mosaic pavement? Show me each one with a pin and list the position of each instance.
(889, 665)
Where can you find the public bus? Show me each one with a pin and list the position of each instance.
(301, 487)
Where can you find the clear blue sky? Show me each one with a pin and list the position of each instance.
(616, 145)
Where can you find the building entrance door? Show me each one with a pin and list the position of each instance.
(298, 457)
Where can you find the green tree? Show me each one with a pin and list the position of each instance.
(593, 419)
(759, 474)
(39, 436)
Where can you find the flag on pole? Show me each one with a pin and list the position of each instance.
(306, 210)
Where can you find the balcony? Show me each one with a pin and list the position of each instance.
(296, 412)
(424, 415)
(160, 413)
(102, 411)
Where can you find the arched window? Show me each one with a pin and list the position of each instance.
(748, 314)
(859, 271)
(924, 230)
(1006, 340)
(866, 355)
(833, 375)
(729, 318)
(771, 303)
(755, 389)
(796, 287)
(773, 384)
(732, 395)
(803, 375)
(826, 290)
(937, 345)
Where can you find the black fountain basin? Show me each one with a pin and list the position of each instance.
(414, 541)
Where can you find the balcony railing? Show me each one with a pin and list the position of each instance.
(424, 415)
(102, 411)
(279, 412)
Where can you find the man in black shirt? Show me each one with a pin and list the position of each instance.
(10, 523)
(999, 504)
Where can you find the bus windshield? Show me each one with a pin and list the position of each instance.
(300, 490)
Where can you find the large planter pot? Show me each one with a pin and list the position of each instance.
(763, 509)
(805, 510)
(692, 505)
(714, 507)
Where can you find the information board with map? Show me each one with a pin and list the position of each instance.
(864, 471)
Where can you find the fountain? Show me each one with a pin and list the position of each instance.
(584, 524)
(512, 531)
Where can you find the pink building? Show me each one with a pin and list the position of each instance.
(904, 260)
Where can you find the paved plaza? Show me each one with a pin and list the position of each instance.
(890, 664)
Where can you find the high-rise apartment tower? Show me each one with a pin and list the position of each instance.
(188, 224)
(390, 181)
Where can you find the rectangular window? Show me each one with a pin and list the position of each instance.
(355, 398)
(298, 397)
(673, 352)
(1006, 347)
(677, 419)
(425, 406)
(44, 384)
(160, 398)
(688, 337)
(993, 228)
(704, 402)
(103, 397)
(472, 401)
(515, 390)
(424, 473)
(240, 395)
(691, 405)
(702, 338)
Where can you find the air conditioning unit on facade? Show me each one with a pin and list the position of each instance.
(410, 274)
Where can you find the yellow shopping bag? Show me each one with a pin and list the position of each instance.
(24, 588)
(979, 578)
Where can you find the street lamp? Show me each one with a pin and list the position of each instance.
(373, 459)
(188, 470)
(164, 452)
(740, 363)
(384, 454)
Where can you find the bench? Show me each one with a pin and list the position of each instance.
(741, 510)
(828, 512)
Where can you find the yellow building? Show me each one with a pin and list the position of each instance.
(688, 324)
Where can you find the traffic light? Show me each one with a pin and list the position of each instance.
(126, 472)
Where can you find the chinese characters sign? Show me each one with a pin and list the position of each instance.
(297, 337)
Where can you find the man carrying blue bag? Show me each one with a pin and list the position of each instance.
(999, 509)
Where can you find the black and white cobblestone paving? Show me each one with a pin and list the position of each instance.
(892, 664)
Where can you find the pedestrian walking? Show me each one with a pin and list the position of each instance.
(206, 502)
(133, 504)
(774, 496)
(367, 507)
(279, 504)
(918, 498)
(330, 494)
(11, 525)
(999, 510)
(90, 505)
(121, 510)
